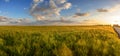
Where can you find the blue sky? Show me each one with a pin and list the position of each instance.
(79, 8)
(15, 8)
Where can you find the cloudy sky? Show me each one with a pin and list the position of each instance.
(59, 12)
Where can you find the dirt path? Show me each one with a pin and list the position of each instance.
(117, 29)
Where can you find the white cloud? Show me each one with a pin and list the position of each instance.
(27, 21)
(7, 0)
(53, 22)
(3, 19)
(53, 8)
(60, 1)
(67, 5)
(36, 1)
(11, 21)
(38, 17)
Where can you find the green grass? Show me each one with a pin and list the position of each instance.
(58, 41)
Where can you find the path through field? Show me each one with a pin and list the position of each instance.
(117, 29)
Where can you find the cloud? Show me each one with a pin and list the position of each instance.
(52, 8)
(38, 17)
(11, 21)
(53, 22)
(26, 21)
(61, 21)
(102, 10)
(81, 14)
(3, 19)
(91, 22)
(21, 21)
(67, 6)
(7, 0)
(114, 8)
(36, 1)
(111, 9)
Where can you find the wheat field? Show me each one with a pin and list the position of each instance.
(59, 41)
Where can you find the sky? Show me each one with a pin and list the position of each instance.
(59, 12)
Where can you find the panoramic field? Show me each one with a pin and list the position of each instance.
(59, 27)
(59, 41)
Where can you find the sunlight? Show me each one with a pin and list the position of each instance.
(116, 22)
